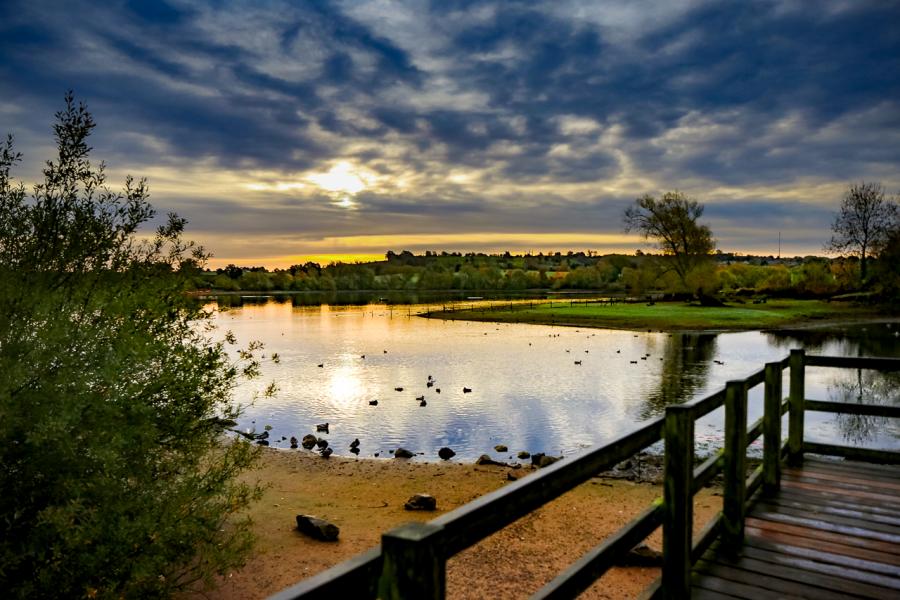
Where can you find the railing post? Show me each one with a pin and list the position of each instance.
(735, 492)
(795, 415)
(772, 429)
(414, 565)
(678, 502)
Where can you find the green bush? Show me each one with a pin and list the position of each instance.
(115, 480)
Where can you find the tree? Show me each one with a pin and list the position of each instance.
(862, 224)
(672, 223)
(113, 400)
(888, 266)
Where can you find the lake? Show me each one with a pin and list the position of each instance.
(533, 387)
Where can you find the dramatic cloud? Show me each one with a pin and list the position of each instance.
(282, 129)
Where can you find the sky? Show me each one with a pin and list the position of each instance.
(289, 131)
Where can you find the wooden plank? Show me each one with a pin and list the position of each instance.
(701, 594)
(810, 483)
(734, 589)
(841, 484)
(414, 563)
(828, 536)
(353, 578)
(707, 537)
(852, 362)
(795, 414)
(859, 472)
(754, 379)
(772, 429)
(763, 535)
(891, 470)
(798, 581)
(703, 407)
(708, 469)
(853, 473)
(863, 469)
(874, 410)
(495, 510)
(846, 510)
(581, 574)
(860, 479)
(817, 523)
(876, 471)
(888, 580)
(828, 518)
(870, 511)
(821, 555)
(734, 488)
(799, 487)
(886, 457)
(770, 586)
(678, 503)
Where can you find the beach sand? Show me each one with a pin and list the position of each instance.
(365, 497)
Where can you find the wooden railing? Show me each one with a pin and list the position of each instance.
(411, 561)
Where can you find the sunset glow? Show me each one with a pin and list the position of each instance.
(296, 131)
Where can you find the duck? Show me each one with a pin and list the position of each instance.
(466, 390)
(322, 427)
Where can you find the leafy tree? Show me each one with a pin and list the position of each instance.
(888, 266)
(116, 483)
(863, 222)
(672, 223)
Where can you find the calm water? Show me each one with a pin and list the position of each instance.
(527, 391)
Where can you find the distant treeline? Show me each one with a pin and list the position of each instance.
(727, 273)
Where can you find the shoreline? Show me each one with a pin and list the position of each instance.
(655, 325)
(365, 497)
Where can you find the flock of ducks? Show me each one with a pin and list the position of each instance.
(310, 441)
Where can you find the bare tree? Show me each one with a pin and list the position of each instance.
(862, 223)
(671, 222)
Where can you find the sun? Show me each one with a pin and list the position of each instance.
(341, 177)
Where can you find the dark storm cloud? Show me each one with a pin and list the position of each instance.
(525, 95)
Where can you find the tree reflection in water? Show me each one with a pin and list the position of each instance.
(685, 369)
(865, 387)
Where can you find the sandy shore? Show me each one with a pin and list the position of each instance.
(365, 497)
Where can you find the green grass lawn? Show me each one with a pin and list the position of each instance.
(674, 316)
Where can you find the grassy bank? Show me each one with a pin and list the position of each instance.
(673, 316)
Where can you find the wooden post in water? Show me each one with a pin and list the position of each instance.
(734, 493)
(678, 502)
(772, 429)
(795, 414)
(414, 566)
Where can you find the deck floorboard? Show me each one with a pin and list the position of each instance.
(832, 531)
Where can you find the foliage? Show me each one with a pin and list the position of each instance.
(672, 223)
(887, 269)
(863, 222)
(115, 479)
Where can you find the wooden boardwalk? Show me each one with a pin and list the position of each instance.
(831, 531)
